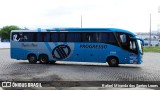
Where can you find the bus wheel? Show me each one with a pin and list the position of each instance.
(43, 59)
(32, 58)
(113, 62)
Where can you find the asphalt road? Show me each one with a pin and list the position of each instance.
(14, 70)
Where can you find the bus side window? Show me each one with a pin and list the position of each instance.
(29, 37)
(54, 37)
(73, 37)
(15, 37)
(111, 38)
(46, 37)
(94, 37)
(39, 37)
(90, 37)
(103, 37)
(85, 37)
(123, 38)
(62, 37)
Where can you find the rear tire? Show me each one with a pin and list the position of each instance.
(43, 59)
(113, 62)
(32, 58)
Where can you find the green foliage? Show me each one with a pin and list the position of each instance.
(5, 31)
(151, 49)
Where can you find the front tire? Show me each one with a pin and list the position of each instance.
(43, 59)
(32, 58)
(113, 62)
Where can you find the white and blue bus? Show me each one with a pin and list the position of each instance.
(115, 46)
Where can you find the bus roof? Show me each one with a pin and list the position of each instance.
(77, 30)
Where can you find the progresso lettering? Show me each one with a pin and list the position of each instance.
(94, 46)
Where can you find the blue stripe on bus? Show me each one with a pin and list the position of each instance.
(39, 30)
(55, 43)
(56, 29)
(48, 30)
(49, 48)
(65, 43)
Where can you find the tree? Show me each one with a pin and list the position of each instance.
(5, 31)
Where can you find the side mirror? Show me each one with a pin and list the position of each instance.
(138, 39)
(142, 41)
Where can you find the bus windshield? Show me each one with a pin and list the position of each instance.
(140, 46)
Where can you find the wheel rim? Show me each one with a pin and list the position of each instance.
(113, 61)
(32, 58)
(43, 59)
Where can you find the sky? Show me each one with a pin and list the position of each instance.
(132, 15)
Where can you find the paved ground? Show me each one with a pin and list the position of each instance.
(4, 44)
(14, 70)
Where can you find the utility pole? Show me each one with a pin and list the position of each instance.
(81, 21)
(150, 30)
(158, 25)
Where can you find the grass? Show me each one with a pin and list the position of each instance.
(151, 49)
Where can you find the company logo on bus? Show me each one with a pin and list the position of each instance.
(61, 52)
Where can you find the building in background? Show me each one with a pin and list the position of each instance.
(155, 34)
(155, 38)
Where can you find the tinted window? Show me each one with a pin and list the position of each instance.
(85, 37)
(90, 37)
(46, 37)
(111, 38)
(39, 37)
(73, 37)
(29, 37)
(123, 38)
(17, 36)
(93, 37)
(103, 37)
(62, 37)
(54, 37)
(132, 46)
